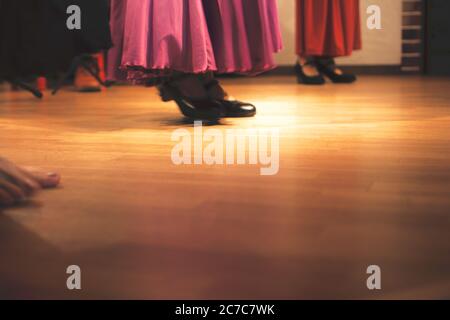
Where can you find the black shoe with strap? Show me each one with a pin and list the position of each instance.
(327, 67)
(197, 109)
(232, 108)
(303, 78)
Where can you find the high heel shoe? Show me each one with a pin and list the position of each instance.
(328, 68)
(192, 108)
(303, 78)
(232, 108)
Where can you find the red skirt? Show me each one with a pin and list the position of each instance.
(329, 28)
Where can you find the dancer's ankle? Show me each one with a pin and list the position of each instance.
(190, 86)
(213, 88)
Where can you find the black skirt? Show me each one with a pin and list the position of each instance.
(35, 40)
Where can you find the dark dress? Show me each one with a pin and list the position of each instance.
(34, 38)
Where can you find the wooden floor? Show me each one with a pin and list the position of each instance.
(364, 180)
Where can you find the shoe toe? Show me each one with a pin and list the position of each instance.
(238, 109)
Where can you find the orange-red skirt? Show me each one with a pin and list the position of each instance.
(328, 27)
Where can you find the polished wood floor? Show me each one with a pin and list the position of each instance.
(364, 180)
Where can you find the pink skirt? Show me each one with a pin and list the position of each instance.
(154, 38)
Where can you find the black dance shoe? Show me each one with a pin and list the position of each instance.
(238, 109)
(328, 68)
(232, 108)
(209, 110)
(302, 78)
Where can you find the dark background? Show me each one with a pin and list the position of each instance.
(438, 37)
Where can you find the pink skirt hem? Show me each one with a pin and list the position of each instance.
(154, 38)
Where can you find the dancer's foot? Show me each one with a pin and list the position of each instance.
(45, 179)
(18, 184)
(309, 66)
(191, 97)
(307, 72)
(328, 67)
(233, 108)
